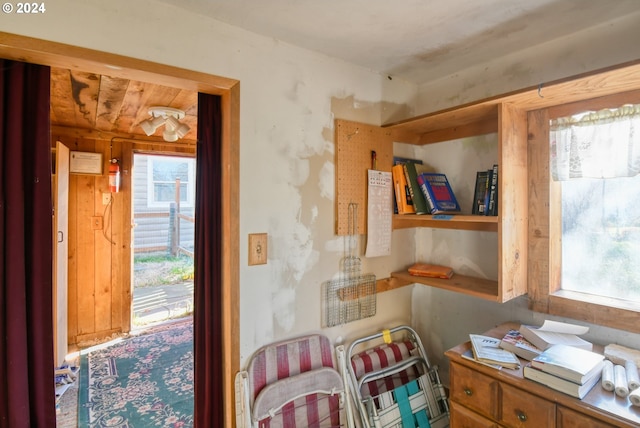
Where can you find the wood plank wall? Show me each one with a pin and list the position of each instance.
(100, 286)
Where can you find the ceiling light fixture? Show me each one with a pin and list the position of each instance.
(170, 118)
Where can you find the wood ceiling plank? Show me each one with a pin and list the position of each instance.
(62, 111)
(137, 98)
(84, 91)
(189, 102)
(158, 96)
(110, 98)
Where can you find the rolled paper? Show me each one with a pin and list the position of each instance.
(634, 396)
(607, 376)
(620, 380)
(633, 380)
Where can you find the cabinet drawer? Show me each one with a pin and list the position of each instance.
(474, 390)
(521, 409)
(567, 418)
(461, 417)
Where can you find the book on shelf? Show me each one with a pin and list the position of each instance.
(431, 270)
(487, 349)
(399, 160)
(438, 193)
(492, 208)
(559, 384)
(481, 187)
(411, 170)
(515, 342)
(401, 190)
(554, 332)
(570, 363)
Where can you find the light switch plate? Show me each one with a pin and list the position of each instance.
(257, 249)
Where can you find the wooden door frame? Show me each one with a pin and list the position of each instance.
(38, 51)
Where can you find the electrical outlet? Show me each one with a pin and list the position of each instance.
(106, 198)
(257, 249)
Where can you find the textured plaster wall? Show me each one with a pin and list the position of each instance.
(289, 99)
(611, 43)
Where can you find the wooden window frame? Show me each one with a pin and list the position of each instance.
(545, 229)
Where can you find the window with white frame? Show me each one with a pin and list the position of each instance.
(166, 177)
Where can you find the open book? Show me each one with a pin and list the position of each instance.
(487, 349)
(554, 333)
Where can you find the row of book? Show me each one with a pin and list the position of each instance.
(485, 201)
(420, 191)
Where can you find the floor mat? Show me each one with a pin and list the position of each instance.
(141, 381)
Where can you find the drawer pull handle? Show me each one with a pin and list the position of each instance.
(522, 417)
(468, 392)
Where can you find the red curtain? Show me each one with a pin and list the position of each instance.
(208, 369)
(26, 324)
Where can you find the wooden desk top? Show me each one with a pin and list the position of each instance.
(598, 403)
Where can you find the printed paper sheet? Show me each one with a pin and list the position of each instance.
(379, 213)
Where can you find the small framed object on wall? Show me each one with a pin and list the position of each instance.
(85, 163)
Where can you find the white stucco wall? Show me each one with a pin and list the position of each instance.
(610, 43)
(289, 98)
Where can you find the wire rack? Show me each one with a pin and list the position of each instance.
(352, 296)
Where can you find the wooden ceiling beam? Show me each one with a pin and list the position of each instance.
(94, 134)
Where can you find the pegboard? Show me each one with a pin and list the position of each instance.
(354, 144)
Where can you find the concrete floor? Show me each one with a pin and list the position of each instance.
(158, 303)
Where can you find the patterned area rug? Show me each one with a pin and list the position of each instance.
(143, 381)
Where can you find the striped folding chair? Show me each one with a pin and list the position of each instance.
(292, 384)
(393, 383)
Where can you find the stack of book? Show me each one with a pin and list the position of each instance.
(573, 371)
(486, 350)
(515, 342)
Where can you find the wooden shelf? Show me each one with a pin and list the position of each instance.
(440, 221)
(469, 285)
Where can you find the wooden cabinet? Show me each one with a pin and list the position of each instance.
(462, 417)
(510, 124)
(482, 396)
(505, 115)
(510, 224)
(567, 418)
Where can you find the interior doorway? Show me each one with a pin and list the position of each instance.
(163, 208)
(21, 48)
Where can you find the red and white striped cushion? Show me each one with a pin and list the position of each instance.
(381, 357)
(311, 410)
(287, 359)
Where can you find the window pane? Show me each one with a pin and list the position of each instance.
(169, 170)
(166, 192)
(601, 237)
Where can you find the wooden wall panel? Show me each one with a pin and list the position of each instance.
(81, 189)
(100, 259)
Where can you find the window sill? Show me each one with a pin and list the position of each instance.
(604, 311)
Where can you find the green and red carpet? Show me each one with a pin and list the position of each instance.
(142, 381)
